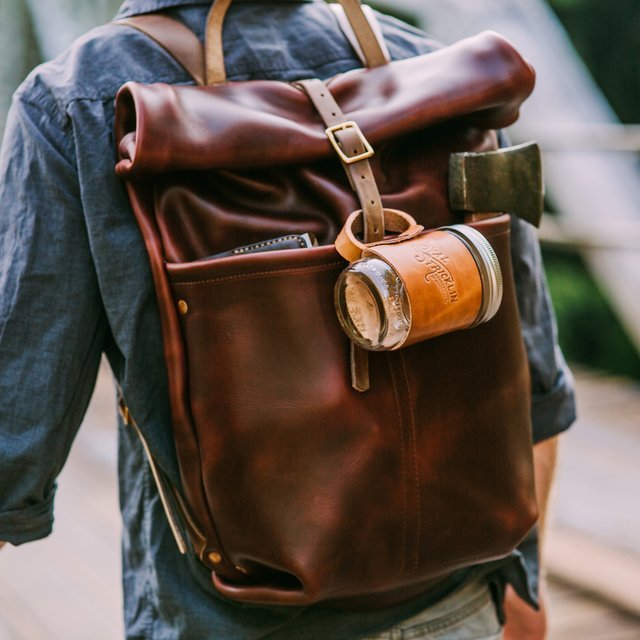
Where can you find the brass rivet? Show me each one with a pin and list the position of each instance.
(215, 557)
(183, 307)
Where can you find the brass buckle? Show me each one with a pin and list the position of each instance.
(344, 126)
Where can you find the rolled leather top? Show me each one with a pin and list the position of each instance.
(481, 80)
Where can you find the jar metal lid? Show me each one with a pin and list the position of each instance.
(488, 266)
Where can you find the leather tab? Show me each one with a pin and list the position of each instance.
(359, 361)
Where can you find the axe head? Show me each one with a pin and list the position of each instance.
(506, 181)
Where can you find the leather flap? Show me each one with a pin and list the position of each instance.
(482, 80)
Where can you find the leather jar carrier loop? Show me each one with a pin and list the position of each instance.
(415, 285)
(350, 247)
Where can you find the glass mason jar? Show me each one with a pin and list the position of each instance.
(398, 294)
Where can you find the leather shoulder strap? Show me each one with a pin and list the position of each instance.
(359, 26)
(347, 29)
(183, 45)
(175, 38)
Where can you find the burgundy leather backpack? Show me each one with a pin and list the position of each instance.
(311, 471)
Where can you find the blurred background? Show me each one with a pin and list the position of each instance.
(584, 114)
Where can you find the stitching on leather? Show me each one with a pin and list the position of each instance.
(268, 243)
(260, 274)
(405, 536)
(416, 474)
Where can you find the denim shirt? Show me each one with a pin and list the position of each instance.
(75, 283)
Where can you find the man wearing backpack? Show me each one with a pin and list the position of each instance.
(75, 282)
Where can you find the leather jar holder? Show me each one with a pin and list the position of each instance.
(415, 285)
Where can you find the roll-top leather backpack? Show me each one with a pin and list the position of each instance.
(313, 471)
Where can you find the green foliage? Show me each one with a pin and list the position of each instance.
(401, 15)
(607, 36)
(589, 333)
(565, 4)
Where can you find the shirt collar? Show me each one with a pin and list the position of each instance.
(136, 7)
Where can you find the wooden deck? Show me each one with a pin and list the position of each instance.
(595, 539)
(68, 586)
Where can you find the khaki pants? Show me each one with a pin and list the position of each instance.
(467, 614)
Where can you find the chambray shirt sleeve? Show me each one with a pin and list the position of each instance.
(552, 394)
(52, 324)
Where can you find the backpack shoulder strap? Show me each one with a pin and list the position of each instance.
(349, 33)
(183, 45)
(174, 37)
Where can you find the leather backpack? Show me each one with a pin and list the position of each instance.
(311, 471)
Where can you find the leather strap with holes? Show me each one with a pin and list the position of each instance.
(354, 152)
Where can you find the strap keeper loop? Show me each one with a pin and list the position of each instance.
(345, 126)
